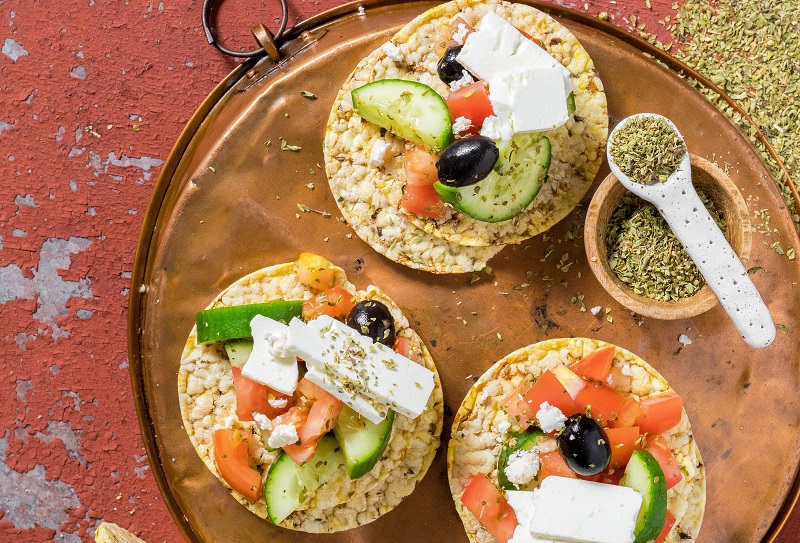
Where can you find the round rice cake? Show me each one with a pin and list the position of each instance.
(208, 402)
(369, 196)
(476, 441)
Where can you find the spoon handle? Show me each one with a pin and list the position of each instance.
(723, 271)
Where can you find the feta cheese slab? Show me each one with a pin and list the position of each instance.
(578, 511)
(532, 98)
(361, 366)
(366, 407)
(271, 363)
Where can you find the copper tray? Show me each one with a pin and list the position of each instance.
(226, 204)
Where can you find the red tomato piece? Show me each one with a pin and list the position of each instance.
(447, 40)
(335, 302)
(668, 524)
(660, 413)
(321, 418)
(252, 396)
(488, 504)
(628, 414)
(553, 464)
(515, 406)
(471, 102)
(597, 365)
(623, 442)
(657, 446)
(232, 457)
(402, 346)
(296, 415)
(420, 167)
(301, 453)
(548, 388)
(604, 401)
(315, 271)
(423, 200)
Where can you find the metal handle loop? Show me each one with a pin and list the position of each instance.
(263, 36)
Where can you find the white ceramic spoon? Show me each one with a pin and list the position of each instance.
(691, 223)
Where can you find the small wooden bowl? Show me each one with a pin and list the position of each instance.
(707, 177)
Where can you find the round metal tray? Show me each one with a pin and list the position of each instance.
(227, 203)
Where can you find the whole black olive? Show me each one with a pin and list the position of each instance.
(584, 445)
(373, 319)
(467, 161)
(449, 69)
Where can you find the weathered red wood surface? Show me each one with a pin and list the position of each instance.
(93, 96)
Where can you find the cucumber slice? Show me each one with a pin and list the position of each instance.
(525, 441)
(510, 187)
(362, 441)
(644, 475)
(233, 322)
(239, 351)
(410, 110)
(288, 485)
(571, 103)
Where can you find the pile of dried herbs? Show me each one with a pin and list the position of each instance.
(645, 254)
(647, 149)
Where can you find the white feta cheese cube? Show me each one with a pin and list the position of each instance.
(497, 127)
(378, 153)
(466, 79)
(461, 124)
(283, 434)
(262, 420)
(522, 466)
(280, 403)
(532, 98)
(550, 418)
(271, 363)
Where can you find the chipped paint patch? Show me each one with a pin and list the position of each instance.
(78, 72)
(57, 429)
(5, 127)
(13, 50)
(25, 201)
(22, 339)
(19, 233)
(100, 166)
(22, 388)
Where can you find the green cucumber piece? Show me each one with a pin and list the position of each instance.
(410, 110)
(644, 475)
(525, 441)
(239, 351)
(233, 322)
(571, 103)
(288, 485)
(362, 441)
(510, 187)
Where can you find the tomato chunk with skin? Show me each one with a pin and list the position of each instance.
(597, 365)
(483, 499)
(321, 418)
(420, 167)
(623, 441)
(628, 414)
(515, 406)
(657, 446)
(335, 302)
(315, 271)
(660, 413)
(471, 102)
(553, 464)
(447, 40)
(423, 200)
(604, 401)
(548, 388)
(402, 346)
(301, 453)
(668, 524)
(233, 463)
(296, 415)
(254, 397)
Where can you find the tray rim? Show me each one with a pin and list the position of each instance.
(149, 230)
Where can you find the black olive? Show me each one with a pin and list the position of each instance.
(373, 319)
(449, 69)
(584, 445)
(467, 161)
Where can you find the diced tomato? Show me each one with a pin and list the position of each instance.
(402, 346)
(597, 365)
(447, 40)
(252, 396)
(628, 414)
(321, 418)
(233, 463)
(301, 453)
(553, 464)
(335, 302)
(515, 406)
(668, 524)
(488, 504)
(657, 446)
(571, 382)
(315, 271)
(471, 102)
(604, 401)
(310, 391)
(423, 200)
(611, 476)
(420, 167)
(660, 413)
(622, 441)
(296, 415)
(547, 388)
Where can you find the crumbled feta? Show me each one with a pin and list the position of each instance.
(361, 11)
(596, 310)
(626, 370)
(280, 403)
(503, 427)
(610, 380)
(282, 434)
(460, 33)
(550, 418)
(684, 339)
(378, 153)
(522, 466)
(392, 51)
(276, 343)
(262, 420)
(497, 128)
(461, 124)
(466, 79)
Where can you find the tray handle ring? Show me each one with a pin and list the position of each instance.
(267, 42)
